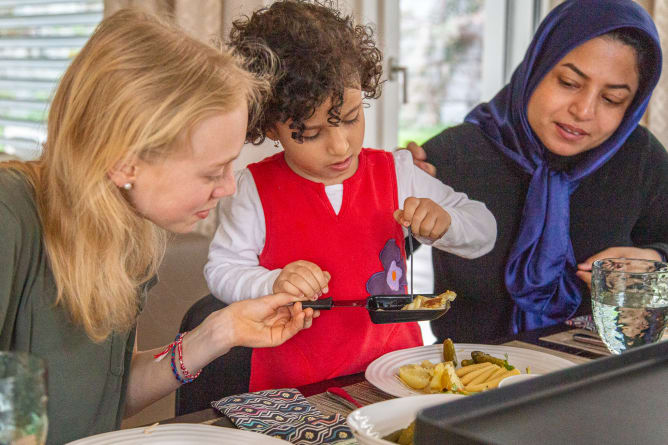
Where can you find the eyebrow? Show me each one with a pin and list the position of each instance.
(621, 86)
(222, 163)
(353, 109)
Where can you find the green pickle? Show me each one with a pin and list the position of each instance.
(449, 354)
(481, 357)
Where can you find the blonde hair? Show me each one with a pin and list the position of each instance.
(137, 85)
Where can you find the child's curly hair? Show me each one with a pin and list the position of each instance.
(320, 52)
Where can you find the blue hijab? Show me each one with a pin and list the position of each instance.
(540, 272)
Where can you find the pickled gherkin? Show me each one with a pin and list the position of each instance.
(481, 357)
(449, 354)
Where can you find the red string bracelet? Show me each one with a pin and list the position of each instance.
(177, 346)
(184, 371)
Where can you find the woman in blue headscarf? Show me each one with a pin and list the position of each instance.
(559, 158)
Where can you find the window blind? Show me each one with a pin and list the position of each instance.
(38, 39)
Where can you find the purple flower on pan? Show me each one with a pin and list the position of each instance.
(393, 277)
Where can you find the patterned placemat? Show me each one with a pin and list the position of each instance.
(565, 338)
(286, 414)
(364, 392)
(567, 356)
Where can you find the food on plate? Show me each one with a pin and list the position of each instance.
(149, 429)
(449, 354)
(480, 373)
(481, 357)
(416, 376)
(438, 302)
(403, 436)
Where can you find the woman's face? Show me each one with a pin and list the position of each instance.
(182, 189)
(582, 100)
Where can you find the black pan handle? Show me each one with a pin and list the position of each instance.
(322, 304)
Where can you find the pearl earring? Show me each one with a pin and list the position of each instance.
(127, 185)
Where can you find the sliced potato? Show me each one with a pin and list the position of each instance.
(436, 384)
(450, 380)
(427, 364)
(415, 376)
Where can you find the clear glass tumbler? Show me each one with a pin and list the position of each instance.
(23, 396)
(629, 301)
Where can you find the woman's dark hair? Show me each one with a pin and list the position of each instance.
(637, 40)
(320, 53)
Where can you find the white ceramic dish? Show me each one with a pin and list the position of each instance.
(180, 434)
(516, 379)
(382, 372)
(371, 423)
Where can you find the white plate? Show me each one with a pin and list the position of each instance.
(382, 372)
(181, 434)
(371, 423)
(516, 379)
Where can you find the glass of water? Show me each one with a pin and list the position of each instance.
(23, 418)
(629, 301)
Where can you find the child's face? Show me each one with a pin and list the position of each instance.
(329, 154)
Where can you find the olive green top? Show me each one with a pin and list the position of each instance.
(87, 381)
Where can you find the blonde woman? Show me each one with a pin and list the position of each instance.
(142, 133)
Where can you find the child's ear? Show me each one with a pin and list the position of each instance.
(122, 173)
(272, 134)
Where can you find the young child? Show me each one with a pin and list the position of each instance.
(325, 207)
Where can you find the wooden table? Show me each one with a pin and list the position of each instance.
(366, 393)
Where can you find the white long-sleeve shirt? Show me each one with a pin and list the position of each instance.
(233, 272)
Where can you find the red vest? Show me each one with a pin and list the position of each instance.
(302, 225)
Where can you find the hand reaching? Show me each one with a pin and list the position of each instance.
(258, 322)
(302, 278)
(584, 268)
(425, 218)
(420, 158)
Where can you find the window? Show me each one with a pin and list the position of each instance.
(38, 39)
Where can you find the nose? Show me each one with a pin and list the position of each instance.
(338, 141)
(225, 186)
(583, 106)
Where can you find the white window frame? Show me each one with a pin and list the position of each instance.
(26, 136)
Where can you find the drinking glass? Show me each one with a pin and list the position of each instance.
(23, 398)
(629, 301)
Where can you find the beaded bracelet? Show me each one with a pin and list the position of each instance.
(173, 347)
(176, 373)
(184, 371)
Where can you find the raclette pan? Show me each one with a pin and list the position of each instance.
(383, 309)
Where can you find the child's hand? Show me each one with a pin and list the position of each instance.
(302, 278)
(425, 218)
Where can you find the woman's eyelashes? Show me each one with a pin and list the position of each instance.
(610, 100)
(216, 176)
(567, 84)
(345, 123)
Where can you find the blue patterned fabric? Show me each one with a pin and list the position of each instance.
(540, 270)
(285, 414)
